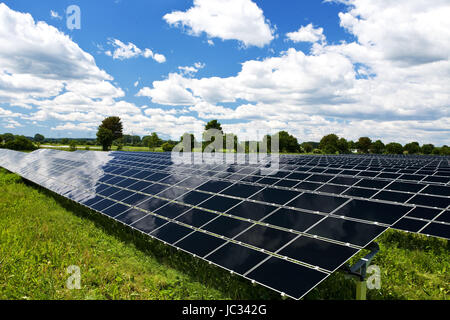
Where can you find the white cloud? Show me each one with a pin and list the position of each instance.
(191, 70)
(240, 20)
(43, 70)
(307, 34)
(124, 51)
(392, 82)
(55, 15)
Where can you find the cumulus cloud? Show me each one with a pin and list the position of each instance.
(55, 15)
(307, 34)
(240, 20)
(124, 51)
(43, 70)
(392, 82)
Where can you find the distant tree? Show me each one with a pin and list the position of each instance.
(39, 138)
(1, 138)
(394, 148)
(65, 141)
(105, 137)
(445, 150)
(152, 141)
(73, 145)
(214, 124)
(8, 137)
(364, 144)
(307, 147)
(342, 146)
(427, 148)
(20, 143)
(136, 140)
(167, 147)
(377, 147)
(412, 147)
(329, 144)
(114, 124)
(352, 145)
(436, 151)
(287, 142)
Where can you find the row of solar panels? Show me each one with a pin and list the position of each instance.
(243, 219)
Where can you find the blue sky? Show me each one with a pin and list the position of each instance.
(309, 67)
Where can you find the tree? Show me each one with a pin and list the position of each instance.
(394, 148)
(214, 124)
(39, 138)
(105, 137)
(8, 137)
(167, 147)
(287, 142)
(412, 147)
(136, 140)
(152, 141)
(427, 148)
(307, 147)
(65, 141)
(364, 144)
(114, 124)
(342, 146)
(436, 151)
(20, 143)
(73, 145)
(352, 145)
(377, 147)
(329, 143)
(445, 150)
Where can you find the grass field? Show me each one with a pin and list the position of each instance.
(41, 234)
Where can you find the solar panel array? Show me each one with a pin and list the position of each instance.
(288, 230)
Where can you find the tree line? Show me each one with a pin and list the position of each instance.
(110, 132)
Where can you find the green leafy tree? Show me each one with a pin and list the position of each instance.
(427, 148)
(136, 140)
(377, 147)
(329, 144)
(214, 124)
(364, 144)
(65, 141)
(436, 151)
(307, 147)
(412, 147)
(287, 142)
(8, 137)
(73, 145)
(20, 143)
(394, 148)
(105, 137)
(39, 138)
(445, 150)
(114, 124)
(342, 146)
(167, 147)
(152, 141)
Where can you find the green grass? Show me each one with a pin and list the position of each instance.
(41, 234)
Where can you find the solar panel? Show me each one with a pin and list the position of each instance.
(287, 231)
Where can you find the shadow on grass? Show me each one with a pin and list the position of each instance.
(232, 286)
